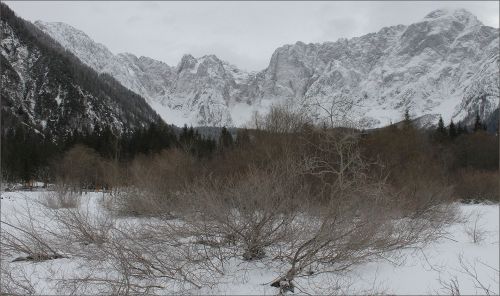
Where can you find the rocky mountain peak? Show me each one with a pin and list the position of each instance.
(444, 64)
(187, 62)
(461, 15)
(90, 52)
(51, 93)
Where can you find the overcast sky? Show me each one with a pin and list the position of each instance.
(243, 33)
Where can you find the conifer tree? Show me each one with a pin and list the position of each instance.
(225, 139)
(407, 120)
(477, 124)
(452, 130)
(441, 128)
(441, 133)
(460, 129)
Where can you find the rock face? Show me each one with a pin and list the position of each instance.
(198, 91)
(52, 92)
(447, 64)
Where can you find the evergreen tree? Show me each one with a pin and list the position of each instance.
(477, 124)
(407, 115)
(187, 139)
(452, 130)
(407, 120)
(462, 129)
(225, 139)
(441, 128)
(440, 133)
(205, 147)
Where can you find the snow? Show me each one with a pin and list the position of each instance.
(398, 67)
(417, 271)
(168, 114)
(58, 99)
(194, 70)
(421, 271)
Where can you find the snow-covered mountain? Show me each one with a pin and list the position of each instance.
(198, 91)
(448, 64)
(51, 92)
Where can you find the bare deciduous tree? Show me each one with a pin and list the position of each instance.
(357, 217)
(252, 211)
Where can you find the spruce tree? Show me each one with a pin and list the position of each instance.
(441, 128)
(477, 124)
(452, 130)
(460, 129)
(407, 119)
(225, 139)
(441, 133)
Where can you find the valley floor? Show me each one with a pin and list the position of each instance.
(455, 263)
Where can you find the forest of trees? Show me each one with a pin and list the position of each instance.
(28, 155)
(458, 152)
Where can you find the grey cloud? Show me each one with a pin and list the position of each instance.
(244, 33)
(134, 19)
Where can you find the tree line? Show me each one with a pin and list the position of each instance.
(28, 154)
(464, 156)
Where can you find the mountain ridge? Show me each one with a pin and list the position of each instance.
(47, 89)
(443, 64)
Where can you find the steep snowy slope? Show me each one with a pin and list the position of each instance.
(50, 91)
(445, 64)
(197, 91)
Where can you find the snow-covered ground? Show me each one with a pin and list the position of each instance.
(455, 260)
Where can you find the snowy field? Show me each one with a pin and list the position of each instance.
(463, 261)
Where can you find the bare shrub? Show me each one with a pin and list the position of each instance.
(451, 287)
(318, 204)
(61, 198)
(252, 211)
(477, 185)
(338, 110)
(471, 272)
(144, 259)
(15, 282)
(135, 202)
(410, 162)
(473, 227)
(282, 119)
(29, 238)
(113, 177)
(478, 150)
(77, 225)
(81, 168)
(358, 216)
(154, 183)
